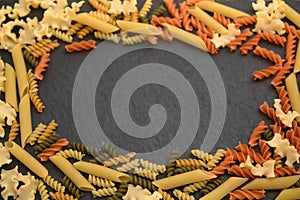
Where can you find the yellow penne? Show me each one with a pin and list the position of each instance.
(297, 60)
(293, 92)
(271, 183)
(25, 119)
(11, 87)
(183, 179)
(224, 10)
(291, 14)
(229, 185)
(73, 174)
(136, 27)
(207, 20)
(289, 194)
(87, 19)
(20, 68)
(186, 37)
(101, 171)
(26, 158)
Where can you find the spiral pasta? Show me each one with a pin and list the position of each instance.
(211, 185)
(250, 44)
(42, 190)
(257, 157)
(47, 143)
(136, 180)
(61, 196)
(103, 17)
(268, 135)
(290, 29)
(121, 191)
(189, 163)
(268, 54)
(84, 32)
(265, 149)
(80, 46)
(107, 36)
(111, 150)
(283, 96)
(99, 158)
(119, 159)
(30, 58)
(70, 153)
(295, 141)
(182, 195)
(239, 39)
(99, 6)
(54, 184)
(86, 150)
(41, 47)
(104, 192)
(267, 72)
(61, 35)
(71, 187)
(284, 171)
(171, 7)
(146, 173)
(186, 20)
(269, 111)
(158, 21)
(209, 44)
(100, 182)
(55, 147)
(152, 166)
(133, 39)
(37, 102)
(200, 26)
(36, 133)
(282, 74)
(145, 9)
(247, 194)
(129, 166)
(194, 187)
(247, 20)
(41, 67)
(290, 49)
(165, 195)
(48, 131)
(239, 156)
(273, 38)
(278, 160)
(256, 133)
(14, 131)
(159, 11)
(33, 85)
(202, 155)
(218, 156)
(222, 19)
(180, 170)
(74, 29)
(243, 172)
(223, 166)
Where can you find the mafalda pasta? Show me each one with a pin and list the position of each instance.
(249, 171)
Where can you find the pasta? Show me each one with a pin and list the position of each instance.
(61, 196)
(273, 38)
(112, 151)
(165, 195)
(41, 47)
(186, 20)
(225, 39)
(243, 172)
(100, 182)
(140, 28)
(239, 39)
(37, 102)
(145, 183)
(139, 193)
(29, 161)
(256, 134)
(292, 88)
(211, 185)
(223, 166)
(172, 163)
(202, 28)
(180, 170)
(145, 9)
(286, 118)
(79, 46)
(264, 149)
(283, 96)
(70, 153)
(30, 58)
(210, 46)
(182, 196)
(189, 163)
(104, 192)
(257, 157)
(54, 184)
(202, 155)
(119, 159)
(11, 87)
(146, 173)
(218, 156)
(41, 67)
(4, 156)
(250, 44)
(74, 29)
(14, 131)
(61, 35)
(129, 166)
(99, 6)
(289, 51)
(194, 187)
(49, 130)
(107, 36)
(25, 119)
(247, 20)
(33, 85)
(152, 166)
(290, 29)
(294, 140)
(292, 193)
(158, 21)
(183, 179)
(42, 190)
(171, 7)
(278, 79)
(269, 111)
(284, 171)
(268, 54)
(9, 181)
(101, 171)
(247, 194)
(67, 168)
(28, 189)
(55, 147)
(71, 187)
(222, 19)
(159, 11)
(291, 14)
(36, 133)
(239, 156)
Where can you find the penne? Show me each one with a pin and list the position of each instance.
(224, 10)
(101, 171)
(87, 19)
(183, 179)
(186, 37)
(291, 14)
(297, 60)
(25, 119)
(207, 20)
(136, 27)
(73, 174)
(11, 87)
(292, 193)
(293, 92)
(27, 159)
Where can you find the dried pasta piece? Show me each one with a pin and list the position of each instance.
(265, 23)
(239, 39)
(268, 135)
(282, 74)
(247, 20)
(194, 187)
(225, 39)
(56, 147)
(80, 46)
(2, 76)
(100, 182)
(8, 114)
(239, 156)
(292, 193)
(99, 6)
(33, 85)
(30, 58)
(71, 187)
(74, 29)
(129, 166)
(286, 118)
(54, 184)
(223, 166)
(9, 181)
(107, 36)
(14, 131)
(268, 54)
(70, 153)
(145, 183)
(278, 160)
(159, 11)
(165, 195)
(28, 189)
(247, 194)
(222, 19)
(181, 170)
(139, 193)
(294, 140)
(202, 155)
(133, 39)
(146, 173)
(61, 35)
(218, 156)
(200, 26)
(186, 20)
(84, 32)
(145, 9)
(61, 196)
(41, 47)
(273, 38)
(48, 131)
(104, 192)
(211, 185)
(36, 133)
(244, 172)
(210, 46)
(284, 171)
(257, 133)
(119, 159)
(110, 149)
(264, 149)
(283, 96)
(290, 49)
(269, 111)
(189, 163)
(43, 64)
(155, 21)
(172, 8)
(4, 156)
(37, 102)
(257, 157)
(283, 148)
(290, 29)
(172, 163)
(42, 189)
(249, 45)
(182, 195)
(152, 166)
(267, 168)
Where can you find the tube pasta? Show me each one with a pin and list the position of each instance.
(183, 179)
(221, 9)
(292, 193)
(11, 87)
(20, 68)
(186, 37)
(207, 20)
(291, 14)
(136, 27)
(229, 185)
(86, 19)
(101, 171)
(272, 184)
(67, 168)
(27, 159)
(25, 119)
(297, 60)
(293, 92)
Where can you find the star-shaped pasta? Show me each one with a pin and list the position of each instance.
(4, 156)
(225, 39)
(116, 7)
(287, 118)
(8, 113)
(141, 194)
(266, 170)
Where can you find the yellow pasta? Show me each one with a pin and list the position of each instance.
(27, 159)
(73, 174)
(20, 68)
(207, 20)
(272, 183)
(101, 171)
(229, 185)
(183, 179)
(292, 193)
(25, 119)
(186, 37)
(226, 11)
(293, 92)
(11, 87)
(136, 27)
(297, 60)
(87, 19)
(291, 14)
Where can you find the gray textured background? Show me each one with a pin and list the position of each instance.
(244, 96)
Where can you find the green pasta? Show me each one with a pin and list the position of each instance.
(268, 135)
(159, 11)
(71, 187)
(211, 185)
(180, 170)
(46, 144)
(30, 58)
(145, 183)
(172, 164)
(109, 149)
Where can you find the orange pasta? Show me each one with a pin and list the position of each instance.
(283, 95)
(282, 74)
(257, 157)
(277, 129)
(223, 166)
(247, 194)
(222, 19)
(268, 54)
(244, 172)
(99, 6)
(284, 171)
(43, 64)
(165, 195)
(269, 111)
(210, 46)
(290, 29)
(53, 149)
(80, 46)
(193, 2)
(249, 45)
(48, 131)
(239, 156)
(248, 20)
(290, 49)
(61, 196)
(294, 140)
(173, 10)
(186, 20)
(239, 39)
(198, 25)
(158, 21)
(256, 133)
(273, 38)
(267, 72)
(296, 128)
(265, 149)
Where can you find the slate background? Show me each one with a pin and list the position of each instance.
(244, 95)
